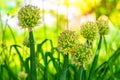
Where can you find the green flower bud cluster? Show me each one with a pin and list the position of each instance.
(82, 55)
(103, 27)
(89, 30)
(29, 16)
(66, 41)
(26, 42)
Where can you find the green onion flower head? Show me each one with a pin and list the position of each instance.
(103, 27)
(66, 41)
(89, 30)
(82, 55)
(29, 16)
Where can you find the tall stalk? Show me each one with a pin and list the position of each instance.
(81, 73)
(94, 63)
(29, 17)
(65, 68)
(32, 57)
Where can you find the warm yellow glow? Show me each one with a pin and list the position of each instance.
(76, 11)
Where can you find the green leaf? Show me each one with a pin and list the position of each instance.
(18, 52)
(12, 34)
(105, 67)
(115, 55)
(10, 72)
(39, 48)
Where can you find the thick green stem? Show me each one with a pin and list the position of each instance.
(32, 57)
(65, 68)
(94, 63)
(1, 71)
(80, 74)
(58, 66)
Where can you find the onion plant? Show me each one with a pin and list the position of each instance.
(29, 17)
(103, 29)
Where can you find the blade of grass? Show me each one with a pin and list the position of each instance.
(52, 48)
(112, 58)
(10, 72)
(39, 48)
(46, 65)
(44, 56)
(59, 63)
(115, 55)
(53, 61)
(104, 68)
(18, 52)
(100, 68)
(24, 63)
(12, 34)
(50, 54)
(111, 62)
(117, 75)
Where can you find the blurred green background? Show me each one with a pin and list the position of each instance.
(57, 15)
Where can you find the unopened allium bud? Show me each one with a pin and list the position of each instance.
(29, 16)
(89, 30)
(66, 41)
(22, 75)
(103, 27)
(26, 42)
(82, 55)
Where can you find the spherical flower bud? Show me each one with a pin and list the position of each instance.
(103, 27)
(89, 30)
(29, 16)
(82, 55)
(26, 42)
(22, 75)
(66, 41)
